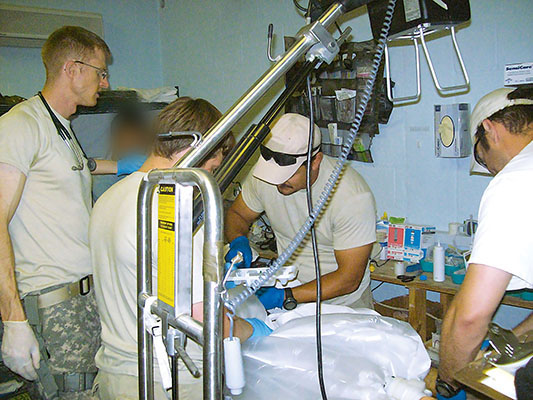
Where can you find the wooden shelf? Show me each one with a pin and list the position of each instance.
(386, 274)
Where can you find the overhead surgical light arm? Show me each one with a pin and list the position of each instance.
(308, 37)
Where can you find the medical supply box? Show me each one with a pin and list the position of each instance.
(408, 242)
(518, 74)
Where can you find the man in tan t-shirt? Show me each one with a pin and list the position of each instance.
(45, 201)
(345, 230)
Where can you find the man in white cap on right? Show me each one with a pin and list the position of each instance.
(345, 230)
(501, 127)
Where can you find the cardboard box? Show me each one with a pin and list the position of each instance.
(518, 74)
(408, 242)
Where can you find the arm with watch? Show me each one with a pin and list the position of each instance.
(346, 279)
(124, 166)
(466, 323)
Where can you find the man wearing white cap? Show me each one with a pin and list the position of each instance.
(345, 230)
(501, 127)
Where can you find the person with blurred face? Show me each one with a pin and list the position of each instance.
(345, 230)
(129, 133)
(130, 140)
(113, 243)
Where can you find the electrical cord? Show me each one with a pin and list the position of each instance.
(378, 286)
(298, 6)
(376, 264)
(318, 314)
(338, 28)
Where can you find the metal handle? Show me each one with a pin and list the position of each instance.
(189, 363)
(405, 99)
(269, 44)
(440, 88)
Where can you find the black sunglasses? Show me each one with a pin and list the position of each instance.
(478, 159)
(282, 159)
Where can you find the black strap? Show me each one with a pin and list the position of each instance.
(61, 130)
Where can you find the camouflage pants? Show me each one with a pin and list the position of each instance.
(71, 333)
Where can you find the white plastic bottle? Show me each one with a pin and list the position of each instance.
(233, 365)
(438, 263)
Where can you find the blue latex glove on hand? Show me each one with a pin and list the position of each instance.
(240, 244)
(459, 396)
(259, 327)
(130, 163)
(271, 297)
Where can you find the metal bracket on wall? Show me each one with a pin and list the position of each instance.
(422, 31)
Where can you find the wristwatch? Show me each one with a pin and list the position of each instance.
(290, 302)
(445, 389)
(91, 164)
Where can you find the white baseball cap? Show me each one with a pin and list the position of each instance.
(488, 105)
(289, 136)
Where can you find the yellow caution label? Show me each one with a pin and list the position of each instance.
(166, 243)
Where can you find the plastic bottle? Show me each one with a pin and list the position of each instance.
(438, 263)
(233, 365)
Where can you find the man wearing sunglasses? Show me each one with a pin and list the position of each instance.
(345, 230)
(501, 127)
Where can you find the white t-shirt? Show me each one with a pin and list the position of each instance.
(503, 238)
(113, 243)
(348, 221)
(49, 227)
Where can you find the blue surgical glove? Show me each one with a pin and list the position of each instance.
(271, 297)
(240, 244)
(130, 163)
(459, 396)
(259, 327)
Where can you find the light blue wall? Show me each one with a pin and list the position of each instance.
(131, 29)
(216, 49)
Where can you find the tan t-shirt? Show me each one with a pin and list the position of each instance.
(348, 221)
(49, 228)
(113, 243)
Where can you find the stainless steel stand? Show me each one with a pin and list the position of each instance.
(178, 317)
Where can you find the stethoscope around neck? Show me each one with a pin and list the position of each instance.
(72, 143)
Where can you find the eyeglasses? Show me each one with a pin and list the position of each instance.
(282, 159)
(478, 159)
(102, 72)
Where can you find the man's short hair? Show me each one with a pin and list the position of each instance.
(185, 115)
(516, 119)
(70, 42)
